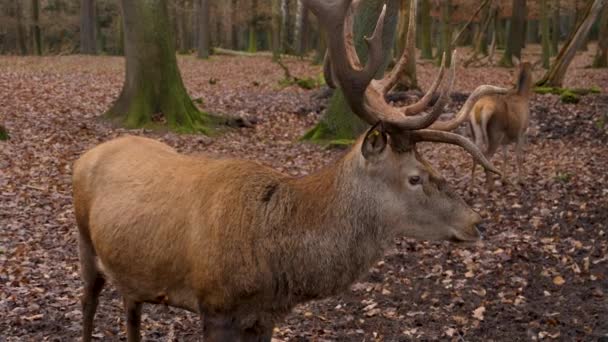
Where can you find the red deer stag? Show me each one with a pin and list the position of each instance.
(498, 120)
(241, 244)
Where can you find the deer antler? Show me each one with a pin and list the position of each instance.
(366, 96)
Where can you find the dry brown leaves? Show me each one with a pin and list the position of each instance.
(541, 272)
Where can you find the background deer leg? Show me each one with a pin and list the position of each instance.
(93, 284)
(133, 310)
(492, 147)
(519, 155)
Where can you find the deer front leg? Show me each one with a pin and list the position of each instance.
(133, 310)
(519, 155)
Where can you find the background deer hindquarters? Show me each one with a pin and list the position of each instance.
(242, 244)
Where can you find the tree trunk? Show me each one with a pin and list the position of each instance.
(480, 40)
(276, 30)
(544, 30)
(285, 26)
(555, 31)
(408, 79)
(425, 30)
(203, 29)
(532, 31)
(301, 28)
(234, 31)
(21, 43)
(253, 38)
(88, 19)
(36, 40)
(182, 26)
(153, 83)
(446, 33)
(516, 33)
(555, 76)
(601, 56)
(338, 122)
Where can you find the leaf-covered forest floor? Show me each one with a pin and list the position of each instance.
(540, 273)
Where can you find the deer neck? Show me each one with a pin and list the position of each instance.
(338, 231)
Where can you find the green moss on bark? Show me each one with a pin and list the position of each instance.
(153, 85)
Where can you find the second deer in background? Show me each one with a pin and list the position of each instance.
(498, 120)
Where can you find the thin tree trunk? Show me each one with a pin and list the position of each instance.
(301, 27)
(601, 56)
(153, 83)
(545, 36)
(408, 79)
(36, 40)
(320, 49)
(285, 47)
(203, 29)
(253, 39)
(555, 31)
(446, 33)
(234, 32)
(88, 20)
(480, 40)
(276, 30)
(516, 33)
(555, 76)
(425, 30)
(21, 43)
(182, 25)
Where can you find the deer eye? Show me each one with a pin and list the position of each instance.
(415, 180)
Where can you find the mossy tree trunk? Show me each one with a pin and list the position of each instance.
(339, 122)
(426, 30)
(544, 31)
(516, 33)
(153, 83)
(601, 56)
(555, 76)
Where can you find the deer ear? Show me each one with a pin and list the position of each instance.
(375, 141)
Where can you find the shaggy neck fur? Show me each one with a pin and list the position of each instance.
(335, 231)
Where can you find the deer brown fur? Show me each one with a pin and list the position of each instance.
(499, 120)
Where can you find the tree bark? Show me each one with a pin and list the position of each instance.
(339, 122)
(301, 28)
(36, 40)
(153, 83)
(516, 33)
(555, 31)
(555, 76)
(276, 30)
(203, 29)
(88, 21)
(545, 36)
(601, 55)
(234, 32)
(408, 79)
(285, 47)
(253, 37)
(426, 43)
(21, 43)
(446, 33)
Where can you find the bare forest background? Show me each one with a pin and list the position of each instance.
(58, 27)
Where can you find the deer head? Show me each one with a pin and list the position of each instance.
(388, 149)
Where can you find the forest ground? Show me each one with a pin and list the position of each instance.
(540, 273)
